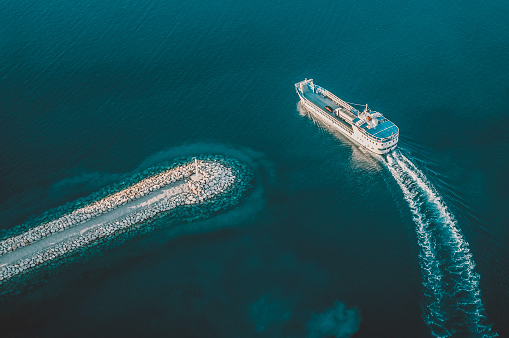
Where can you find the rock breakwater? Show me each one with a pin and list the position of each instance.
(205, 182)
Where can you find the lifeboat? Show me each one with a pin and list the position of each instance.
(329, 109)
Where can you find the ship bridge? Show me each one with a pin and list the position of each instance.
(382, 130)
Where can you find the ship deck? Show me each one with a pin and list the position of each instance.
(322, 101)
(383, 130)
(319, 100)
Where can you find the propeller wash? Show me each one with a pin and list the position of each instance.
(452, 303)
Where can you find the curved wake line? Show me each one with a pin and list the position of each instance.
(451, 286)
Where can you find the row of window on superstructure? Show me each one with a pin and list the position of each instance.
(376, 143)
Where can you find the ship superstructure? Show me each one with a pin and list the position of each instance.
(368, 128)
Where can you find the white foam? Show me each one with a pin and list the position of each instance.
(450, 282)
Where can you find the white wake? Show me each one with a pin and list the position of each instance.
(452, 296)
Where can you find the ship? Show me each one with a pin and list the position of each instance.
(368, 128)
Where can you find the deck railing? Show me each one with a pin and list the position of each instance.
(331, 118)
(338, 101)
(346, 105)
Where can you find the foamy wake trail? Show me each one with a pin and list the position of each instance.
(452, 303)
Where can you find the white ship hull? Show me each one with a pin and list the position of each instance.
(348, 121)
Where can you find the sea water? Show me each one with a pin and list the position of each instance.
(331, 240)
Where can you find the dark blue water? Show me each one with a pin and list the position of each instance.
(329, 242)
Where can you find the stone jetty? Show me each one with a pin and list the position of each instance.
(192, 183)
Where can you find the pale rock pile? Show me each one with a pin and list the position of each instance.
(213, 179)
(95, 209)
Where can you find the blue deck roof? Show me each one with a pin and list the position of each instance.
(382, 130)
